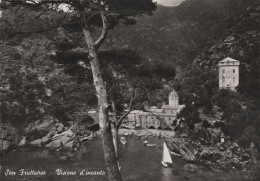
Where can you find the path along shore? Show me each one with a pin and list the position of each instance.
(148, 132)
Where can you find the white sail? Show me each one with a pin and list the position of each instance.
(166, 154)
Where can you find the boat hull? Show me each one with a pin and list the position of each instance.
(164, 164)
(123, 142)
(150, 145)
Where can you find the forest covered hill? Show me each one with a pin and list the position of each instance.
(178, 34)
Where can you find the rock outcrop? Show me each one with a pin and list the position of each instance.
(54, 135)
(181, 146)
(7, 139)
(221, 155)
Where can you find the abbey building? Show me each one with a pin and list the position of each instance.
(156, 118)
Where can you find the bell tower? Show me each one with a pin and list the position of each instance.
(173, 99)
(228, 73)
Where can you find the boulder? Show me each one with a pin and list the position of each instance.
(45, 140)
(6, 146)
(41, 125)
(183, 147)
(60, 127)
(49, 145)
(51, 133)
(222, 163)
(37, 142)
(190, 168)
(187, 152)
(68, 146)
(174, 146)
(56, 144)
(7, 140)
(64, 139)
(38, 129)
(68, 133)
(23, 142)
(211, 154)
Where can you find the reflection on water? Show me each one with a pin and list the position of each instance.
(139, 163)
(167, 174)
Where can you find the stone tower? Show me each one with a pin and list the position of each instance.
(228, 73)
(173, 99)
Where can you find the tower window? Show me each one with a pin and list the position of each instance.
(234, 71)
(223, 71)
(223, 79)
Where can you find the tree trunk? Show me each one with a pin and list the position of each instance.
(114, 126)
(115, 141)
(100, 86)
(115, 138)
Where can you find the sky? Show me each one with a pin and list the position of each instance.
(169, 2)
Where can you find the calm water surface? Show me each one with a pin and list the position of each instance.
(139, 163)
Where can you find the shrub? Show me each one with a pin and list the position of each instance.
(206, 124)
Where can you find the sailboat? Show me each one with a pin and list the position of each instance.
(123, 140)
(166, 157)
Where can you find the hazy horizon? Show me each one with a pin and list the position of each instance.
(169, 2)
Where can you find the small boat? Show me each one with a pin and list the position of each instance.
(145, 137)
(123, 140)
(150, 145)
(166, 157)
(176, 154)
(145, 142)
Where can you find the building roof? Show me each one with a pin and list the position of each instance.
(170, 107)
(173, 94)
(158, 110)
(153, 107)
(228, 59)
(136, 111)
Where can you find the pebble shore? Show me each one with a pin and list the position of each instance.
(149, 132)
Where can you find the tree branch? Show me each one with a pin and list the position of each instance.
(103, 34)
(130, 107)
(114, 111)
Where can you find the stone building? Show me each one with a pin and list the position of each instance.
(228, 73)
(155, 118)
